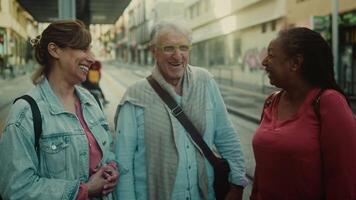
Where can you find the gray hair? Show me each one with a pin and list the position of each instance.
(180, 27)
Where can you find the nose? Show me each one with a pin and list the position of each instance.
(264, 62)
(177, 54)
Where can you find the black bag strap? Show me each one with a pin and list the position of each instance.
(177, 112)
(37, 121)
(315, 103)
(268, 102)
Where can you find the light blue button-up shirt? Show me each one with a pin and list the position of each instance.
(130, 150)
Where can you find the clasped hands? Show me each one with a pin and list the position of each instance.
(103, 181)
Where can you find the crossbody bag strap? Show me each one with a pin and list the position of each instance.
(268, 103)
(37, 121)
(177, 112)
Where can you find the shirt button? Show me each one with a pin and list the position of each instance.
(189, 167)
(91, 121)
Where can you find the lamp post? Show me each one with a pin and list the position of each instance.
(335, 36)
(66, 9)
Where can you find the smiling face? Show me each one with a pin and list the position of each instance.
(75, 64)
(171, 63)
(277, 64)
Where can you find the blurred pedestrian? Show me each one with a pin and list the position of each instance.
(305, 146)
(74, 161)
(162, 160)
(11, 65)
(92, 82)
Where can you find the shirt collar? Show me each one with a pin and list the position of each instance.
(53, 101)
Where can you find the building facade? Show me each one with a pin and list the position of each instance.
(16, 28)
(230, 36)
(134, 26)
(316, 14)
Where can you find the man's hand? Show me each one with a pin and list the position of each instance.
(235, 192)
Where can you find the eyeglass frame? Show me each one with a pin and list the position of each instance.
(176, 47)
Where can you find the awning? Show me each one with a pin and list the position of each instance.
(89, 11)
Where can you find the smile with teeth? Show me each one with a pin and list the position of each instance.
(84, 68)
(175, 64)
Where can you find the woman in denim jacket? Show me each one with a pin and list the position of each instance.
(75, 161)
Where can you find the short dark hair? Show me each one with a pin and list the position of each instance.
(317, 67)
(64, 33)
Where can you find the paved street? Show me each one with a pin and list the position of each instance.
(244, 106)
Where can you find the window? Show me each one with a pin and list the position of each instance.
(205, 5)
(273, 25)
(263, 27)
(196, 10)
(187, 13)
(191, 12)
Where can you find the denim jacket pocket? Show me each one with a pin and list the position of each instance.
(54, 154)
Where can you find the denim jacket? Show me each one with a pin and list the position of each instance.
(64, 155)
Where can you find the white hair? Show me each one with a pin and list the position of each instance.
(166, 25)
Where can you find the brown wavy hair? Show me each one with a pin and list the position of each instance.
(64, 33)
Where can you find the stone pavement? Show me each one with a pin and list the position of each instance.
(9, 90)
(10, 87)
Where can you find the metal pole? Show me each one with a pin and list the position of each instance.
(335, 36)
(66, 9)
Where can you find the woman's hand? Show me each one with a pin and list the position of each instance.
(111, 175)
(96, 183)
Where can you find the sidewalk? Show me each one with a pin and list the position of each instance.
(9, 90)
(14, 87)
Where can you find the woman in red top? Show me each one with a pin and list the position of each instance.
(300, 156)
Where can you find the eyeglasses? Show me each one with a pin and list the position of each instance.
(170, 49)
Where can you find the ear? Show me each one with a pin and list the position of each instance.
(297, 62)
(152, 49)
(53, 50)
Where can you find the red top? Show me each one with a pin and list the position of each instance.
(95, 154)
(298, 160)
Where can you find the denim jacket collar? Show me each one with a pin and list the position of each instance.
(56, 107)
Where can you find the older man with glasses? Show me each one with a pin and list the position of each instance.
(159, 156)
